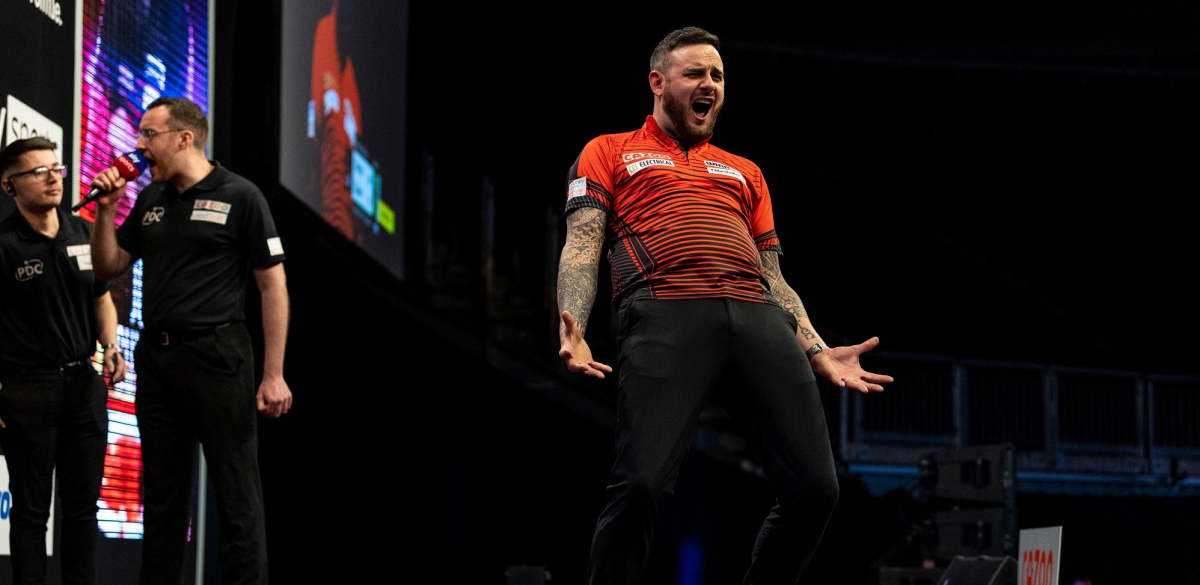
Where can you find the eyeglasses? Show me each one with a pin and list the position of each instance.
(149, 134)
(42, 173)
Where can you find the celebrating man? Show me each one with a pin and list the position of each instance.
(695, 262)
(201, 232)
(52, 408)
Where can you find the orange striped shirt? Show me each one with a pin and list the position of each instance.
(680, 224)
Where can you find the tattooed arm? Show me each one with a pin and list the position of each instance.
(838, 364)
(788, 299)
(577, 271)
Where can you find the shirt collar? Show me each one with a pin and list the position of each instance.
(213, 180)
(26, 231)
(651, 127)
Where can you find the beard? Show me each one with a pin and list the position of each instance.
(679, 113)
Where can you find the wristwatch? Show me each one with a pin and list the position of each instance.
(109, 346)
(816, 348)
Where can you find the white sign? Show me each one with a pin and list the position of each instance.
(1039, 555)
(21, 121)
(6, 502)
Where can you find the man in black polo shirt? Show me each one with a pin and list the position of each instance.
(201, 232)
(52, 403)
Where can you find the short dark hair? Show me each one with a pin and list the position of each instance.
(12, 153)
(185, 115)
(660, 59)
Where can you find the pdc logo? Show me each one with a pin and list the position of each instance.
(152, 216)
(5, 504)
(31, 269)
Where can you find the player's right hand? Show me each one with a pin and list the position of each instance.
(112, 184)
(575, 351)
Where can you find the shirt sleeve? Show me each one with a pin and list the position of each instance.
(129, 235)
(260, 241)
(99, 288)
(590, 180)
(762, 220)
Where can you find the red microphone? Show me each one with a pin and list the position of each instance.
(130, 166)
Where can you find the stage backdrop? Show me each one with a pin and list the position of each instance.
(133, 52)
(342, 117)
(37, 64)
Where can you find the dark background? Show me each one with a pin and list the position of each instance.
(1011, 181)
(34, 46)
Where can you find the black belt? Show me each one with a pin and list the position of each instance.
(62, 368)
(170, 337)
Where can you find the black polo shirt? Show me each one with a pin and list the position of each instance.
(198, 248)
(47, 293)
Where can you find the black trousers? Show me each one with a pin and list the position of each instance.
(201, 390)
(54, 419)
(671, 354)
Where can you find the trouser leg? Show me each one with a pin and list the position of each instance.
(167, 428)
(30, 410)
(780, 395)
(227, 422)
(81, 445)
(670, 355)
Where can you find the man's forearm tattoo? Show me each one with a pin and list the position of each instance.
(806, 332)
(579, 264)
(788, 299)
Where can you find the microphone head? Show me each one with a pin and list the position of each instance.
(131, 165)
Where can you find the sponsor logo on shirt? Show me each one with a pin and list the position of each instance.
(153, 216)
(275, 246)
(648, 162)
(31, 269)
(717, 168)
(577, 188)
(82, 254)
(214, 211)
(213, 205)
(630, 156)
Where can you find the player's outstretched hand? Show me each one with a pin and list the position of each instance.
(575, 351)
(840, 366)
(274, 397)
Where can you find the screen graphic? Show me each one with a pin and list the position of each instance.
(134, 52)
(342, 118)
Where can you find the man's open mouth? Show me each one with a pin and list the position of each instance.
(701, 107)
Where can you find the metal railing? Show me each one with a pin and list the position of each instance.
(1066, 422)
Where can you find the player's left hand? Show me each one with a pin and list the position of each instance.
(114, 366)
(274, 397)
(840, 366)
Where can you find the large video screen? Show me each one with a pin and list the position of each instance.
(342, 118)
(133, 53)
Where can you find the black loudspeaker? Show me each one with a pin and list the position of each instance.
(909, 576)
(979, 475)
(980, 571)
(975, 532)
